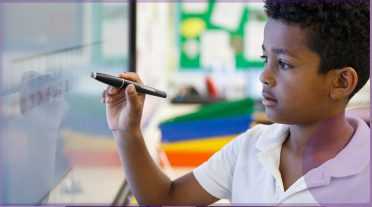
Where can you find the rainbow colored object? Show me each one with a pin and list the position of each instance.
(190, 139)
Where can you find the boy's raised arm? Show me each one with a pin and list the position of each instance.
(147, 182)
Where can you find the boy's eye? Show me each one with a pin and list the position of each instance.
(264, 58)
(284, 65)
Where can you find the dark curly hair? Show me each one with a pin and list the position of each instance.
(337, 31)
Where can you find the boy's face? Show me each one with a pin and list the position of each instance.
(294, 92)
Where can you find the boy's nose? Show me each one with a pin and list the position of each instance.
(267, 77)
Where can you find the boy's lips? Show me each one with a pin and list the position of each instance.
(268, 99)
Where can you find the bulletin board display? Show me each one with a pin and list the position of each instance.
(227, 35)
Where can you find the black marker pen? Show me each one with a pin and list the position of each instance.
(120, 83)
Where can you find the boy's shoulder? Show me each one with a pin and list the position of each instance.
(360, 126)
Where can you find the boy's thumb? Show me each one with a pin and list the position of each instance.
(131, 95)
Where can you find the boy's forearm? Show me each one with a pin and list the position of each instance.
(147, 182)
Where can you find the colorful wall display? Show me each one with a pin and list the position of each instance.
(227, 35)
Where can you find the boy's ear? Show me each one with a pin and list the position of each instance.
(344, 81)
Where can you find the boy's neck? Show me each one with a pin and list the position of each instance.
(319, 142)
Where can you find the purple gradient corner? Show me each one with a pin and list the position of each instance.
(1, 102)
(370, 66)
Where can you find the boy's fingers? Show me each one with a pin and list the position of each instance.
(112, 90)
(113, 94)
(103, 97)
(107, 97)
(131, 76)
(132, 97)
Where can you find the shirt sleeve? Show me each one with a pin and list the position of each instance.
(216, 174)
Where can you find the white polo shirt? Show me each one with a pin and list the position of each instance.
(246, 171)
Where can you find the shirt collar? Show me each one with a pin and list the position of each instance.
(274, 136)
(355, 156)
(351, 160)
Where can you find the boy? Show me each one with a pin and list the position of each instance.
(317, 58)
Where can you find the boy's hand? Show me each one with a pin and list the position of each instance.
(147, 182)
(124, 106)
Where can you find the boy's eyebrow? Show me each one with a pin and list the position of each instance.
(280, 51)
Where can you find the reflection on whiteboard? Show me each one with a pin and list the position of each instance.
(30, 138)
(51, 115)
(115, 34)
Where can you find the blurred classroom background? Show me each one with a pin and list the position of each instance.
(56, 147)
